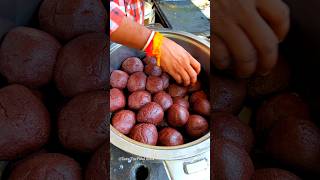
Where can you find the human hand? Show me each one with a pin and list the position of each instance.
(248, 32)
(177, 62)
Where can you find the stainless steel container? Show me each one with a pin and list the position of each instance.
(187, 161)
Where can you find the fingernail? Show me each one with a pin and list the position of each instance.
(264, 73)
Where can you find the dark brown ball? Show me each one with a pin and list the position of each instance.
(82, 122)
(154, 84)
(197, 95)
(150, 113)
(67, 19)
(182, 101)
(170, 137)
(231, 161)
(124, 121)
(165, 79)
(273, 174)
(194, 87)
(196, 126)
(117, 100)
(82, 65)
(132, 65)
(277, 80)
(150, 60)
(295, 142)
(163, 99)
(280, 107)
(152, 70)
(24, 122)
(47, 166)
(177, 115)
(28, 56)
(145, 133)
(98, 165)
(138, 99)
(119, 79)
(202, 107)
(137, 82)
(175, 90)
(228, 95)
(229, 127)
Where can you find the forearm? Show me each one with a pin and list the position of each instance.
(131, 34)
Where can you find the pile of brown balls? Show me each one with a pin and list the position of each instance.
(53, 98)
(149, 107)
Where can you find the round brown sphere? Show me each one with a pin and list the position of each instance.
(165, 79)
(137, 82)
(194, 87)
(202, 107)
(197, 95)
(124, 121)
(229, 127)
(145, 133)
(28, 56)
(132, 65)
(231, 161)
(197, 126)
(82, 65)
(82, 122)
(24, 122)
(149, 60)
(274, 174)
(228, 95)
(181, 101)
(175, 90)
(177, 115)
(163, 99)
(154, 84)
(295, 142)
(119, 79)
(150, 113)
(97, 167)
(280, 107)
(67, 19)
(138, 99)
(117, 100)
(152, 70)
(47, 166)
(170, 137)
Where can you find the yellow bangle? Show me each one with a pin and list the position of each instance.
(156, 48)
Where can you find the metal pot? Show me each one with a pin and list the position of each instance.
(187, 161)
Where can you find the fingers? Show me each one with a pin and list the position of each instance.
(185, 77)
(192, 73)
(276, 13)
(221, 56)
(195, 64)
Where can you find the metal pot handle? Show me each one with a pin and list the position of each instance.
(197, 167)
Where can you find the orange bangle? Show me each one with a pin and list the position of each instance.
(154, 48)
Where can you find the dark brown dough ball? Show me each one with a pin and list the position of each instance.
(202, 107)
(137, 82)
(119, 79)
(231, 161)
(165, 79)
(170, 137)
(175, 90)
(154, 84)
(145, 133)
(132, 65)
(67, 19)
(150, 113)
(163, 99)
(28, 56)
(123, 121)
(280, 107)
(197, 126)
(117, 100)
(277, 80)
(47, 166)
(24, 122)
(152, 70)
(82, 123)
(98, 167)
(138, 99)
(82, 65)
(197, 95)
(150, 60)
(229, 127)
(177, 115)
(228, 95)
(295, 142)
(182, 101)
(195, 87)
(273, 174)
